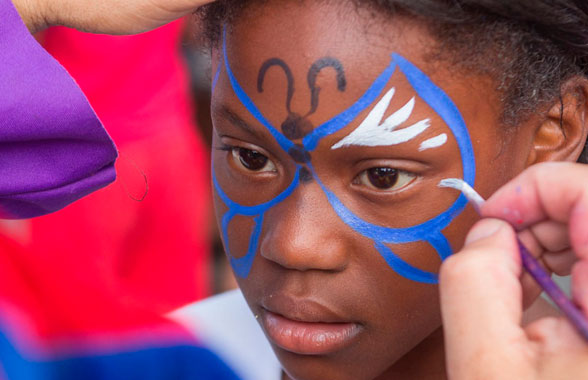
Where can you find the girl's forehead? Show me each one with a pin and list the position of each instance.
(317, 73)
(304, 33)
(310, 61)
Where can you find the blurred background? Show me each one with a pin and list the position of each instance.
(150, 237)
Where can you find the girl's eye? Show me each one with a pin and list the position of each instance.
(385, 178)
(252, 160)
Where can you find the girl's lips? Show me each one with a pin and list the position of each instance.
(308, 338)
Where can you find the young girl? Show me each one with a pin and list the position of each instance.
(334, 123)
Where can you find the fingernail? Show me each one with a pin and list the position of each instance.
(484, 229)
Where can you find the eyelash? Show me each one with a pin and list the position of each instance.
(366, 178)
(237, 150)
(399, 180)
(224, 147)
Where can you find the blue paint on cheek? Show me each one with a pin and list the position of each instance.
(242, 265)
(403, 268)
(441, 245)
(429, 231)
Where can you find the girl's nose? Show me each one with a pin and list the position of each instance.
(304, 233)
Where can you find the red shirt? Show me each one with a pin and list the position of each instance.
(153, 253)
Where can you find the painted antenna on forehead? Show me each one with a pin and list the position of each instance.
(314, 71)
(333, 125)
(289, 78)
(284, 143)
(344, 118)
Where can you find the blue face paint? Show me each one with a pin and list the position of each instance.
(340, 121)
(429, 231)
(284, 143)
(242, 266)
(215, 79)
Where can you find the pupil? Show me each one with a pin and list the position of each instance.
(252, 159)
(383, 178)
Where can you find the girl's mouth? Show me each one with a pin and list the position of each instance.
(308, 338)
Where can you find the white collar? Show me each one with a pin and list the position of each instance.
(225, 324)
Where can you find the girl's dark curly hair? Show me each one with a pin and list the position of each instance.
(529, 47)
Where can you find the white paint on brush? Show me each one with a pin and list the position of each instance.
(460, 185)
(434, 142)
(373, 132)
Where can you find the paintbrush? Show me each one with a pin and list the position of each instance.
(531, 265)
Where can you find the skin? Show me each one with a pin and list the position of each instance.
(306, 253)
(553, 198)
(107, 17)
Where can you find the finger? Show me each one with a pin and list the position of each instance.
(531, 291)
(549, 242)
(31, 14)
(168, 10)
(177, 6)
(580, 285)
(556, 191)
(118, 17)
(531, 243)
(560, 351)
(555, 334)
(551, 235)
(560, 263)
(481, 302)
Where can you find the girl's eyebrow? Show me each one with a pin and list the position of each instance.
(237, 121)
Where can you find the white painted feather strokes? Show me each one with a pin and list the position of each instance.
(434, 142)
(372, 132)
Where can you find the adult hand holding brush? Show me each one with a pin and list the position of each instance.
(481, 288)
(104, 16)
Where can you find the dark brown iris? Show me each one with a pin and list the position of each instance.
(251, 159)
(383, 178)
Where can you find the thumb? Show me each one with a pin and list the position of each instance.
(481, 303)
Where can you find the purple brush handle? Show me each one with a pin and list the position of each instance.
(571, 311)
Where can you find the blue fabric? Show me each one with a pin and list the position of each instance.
(154, 363)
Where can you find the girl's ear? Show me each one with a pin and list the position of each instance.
(562, 134)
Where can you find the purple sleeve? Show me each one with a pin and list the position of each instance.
(53, 148)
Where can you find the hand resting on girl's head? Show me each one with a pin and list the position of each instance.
(104, 16)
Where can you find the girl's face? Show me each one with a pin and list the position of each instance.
(332, 132)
